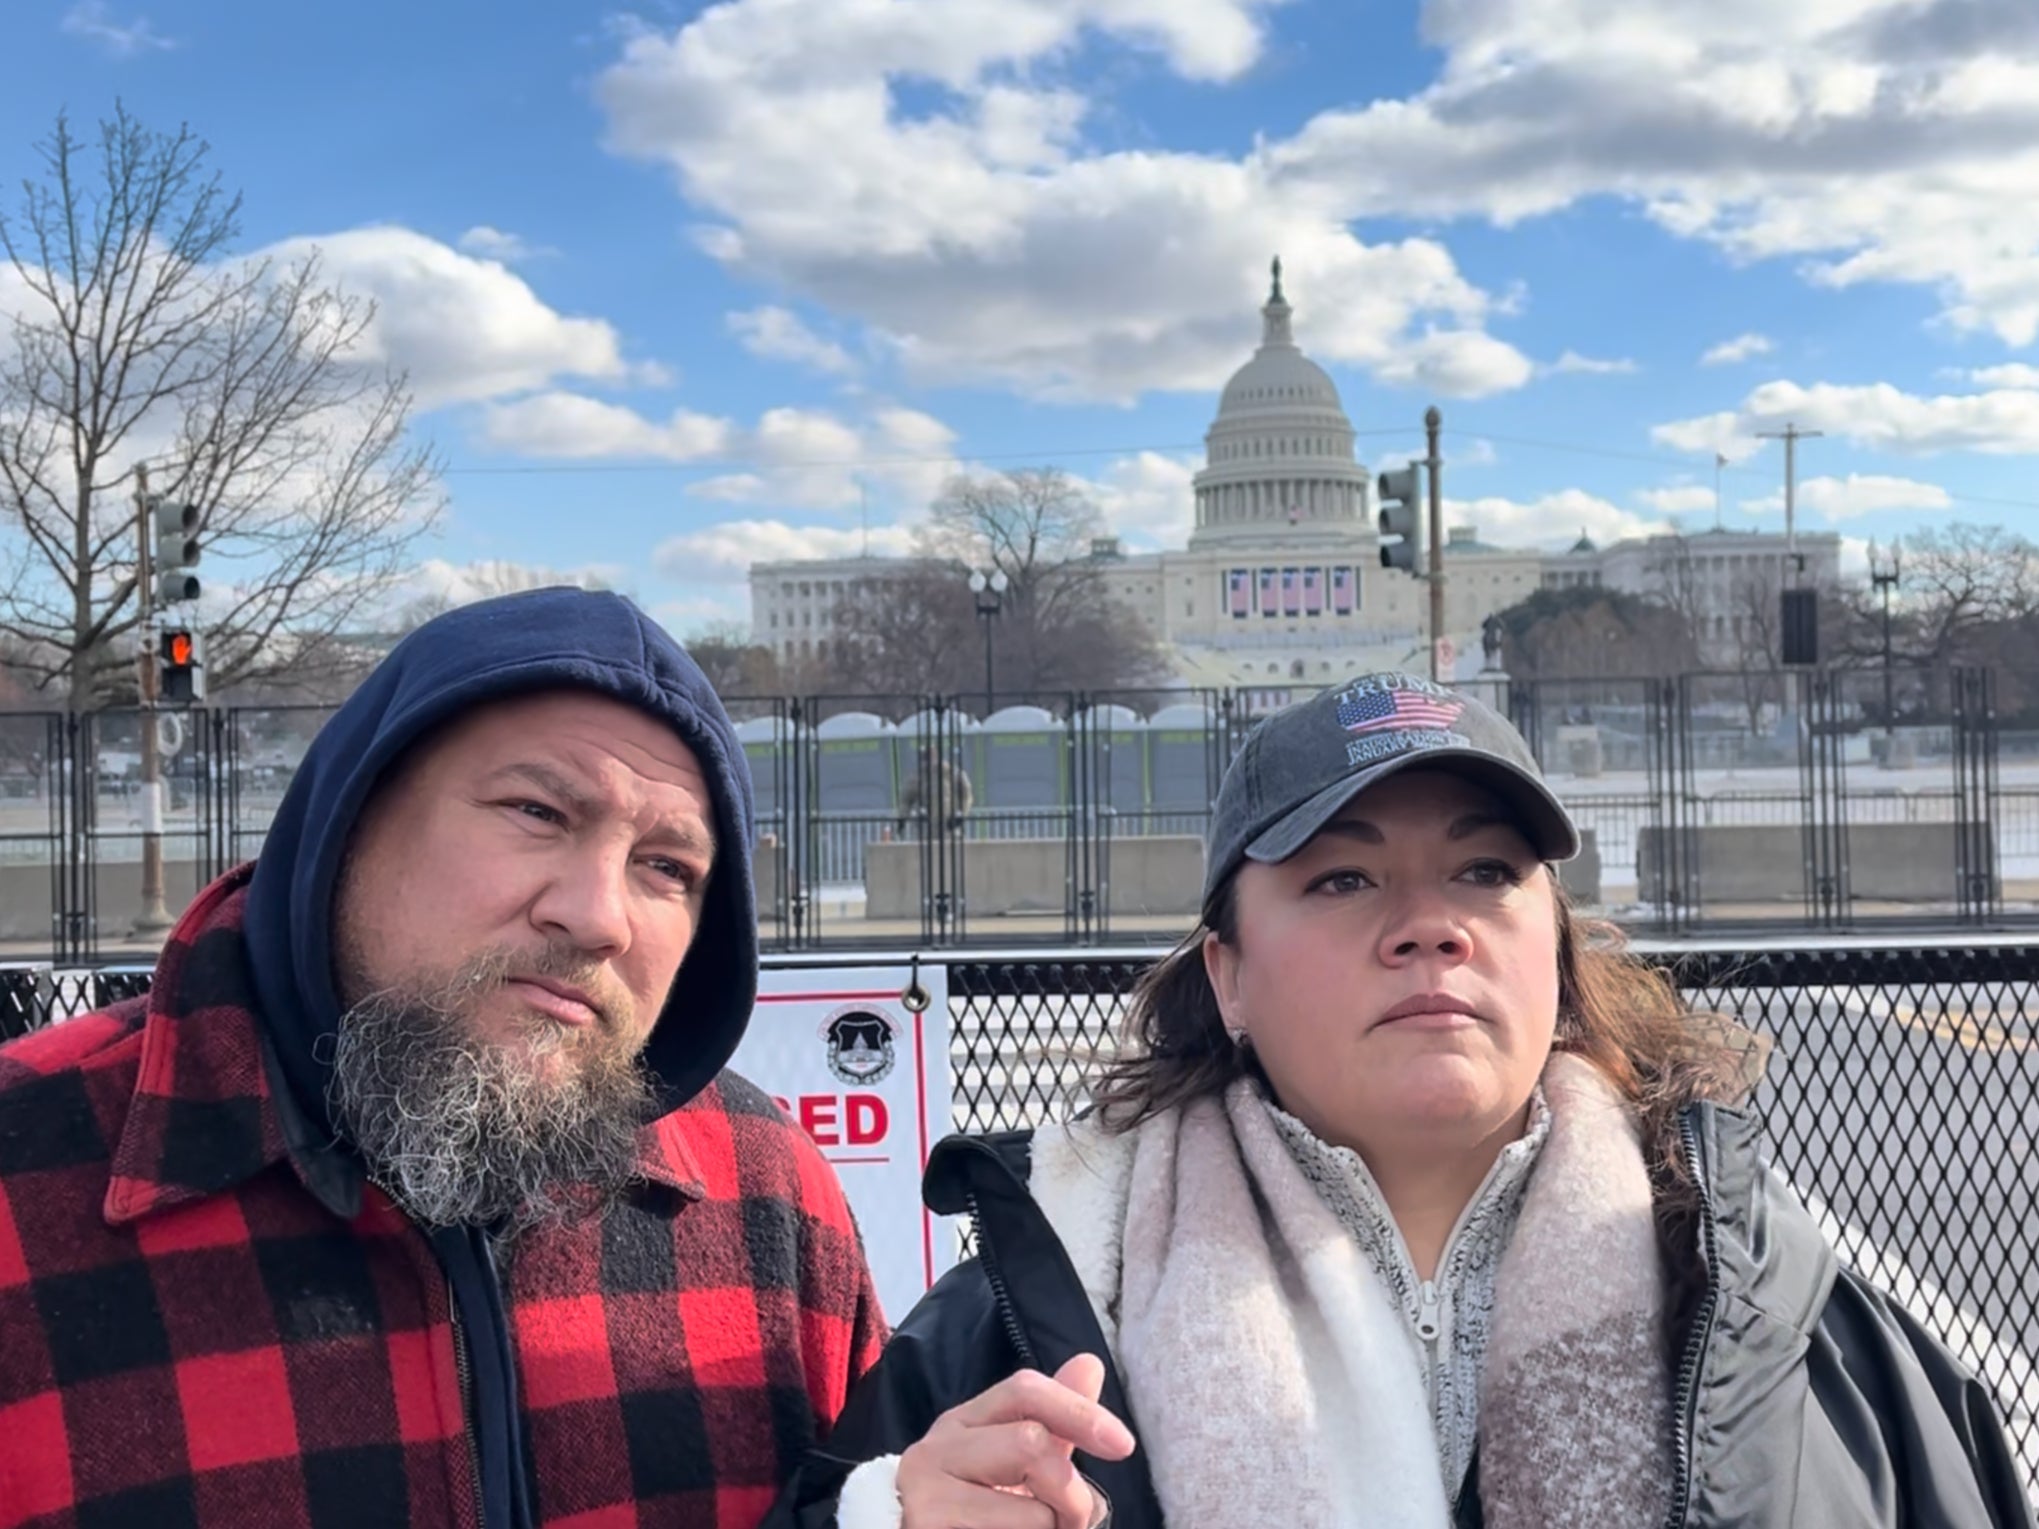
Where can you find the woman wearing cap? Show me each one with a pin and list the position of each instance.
(1400, 1206)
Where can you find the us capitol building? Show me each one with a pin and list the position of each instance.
(1281, 583)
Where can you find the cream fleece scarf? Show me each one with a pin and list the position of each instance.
(1271, 1377)
(1272, 1380)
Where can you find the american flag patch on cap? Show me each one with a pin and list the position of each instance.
(1371, 710)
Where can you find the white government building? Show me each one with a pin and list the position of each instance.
(1281, 585)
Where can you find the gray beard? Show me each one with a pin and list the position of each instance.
(461, 1131)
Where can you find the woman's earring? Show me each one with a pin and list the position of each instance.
(1240, 1038)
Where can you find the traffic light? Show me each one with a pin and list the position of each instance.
(176, 549)
(1399, 489)
(181, 679)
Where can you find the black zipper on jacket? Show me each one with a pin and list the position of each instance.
(1001, 1294)
(463, 1372)
(1684, 1417)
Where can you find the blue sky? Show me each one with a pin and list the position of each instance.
(694, 284)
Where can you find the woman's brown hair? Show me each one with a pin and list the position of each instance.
(1614, 1010)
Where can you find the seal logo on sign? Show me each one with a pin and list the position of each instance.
(860, 1046)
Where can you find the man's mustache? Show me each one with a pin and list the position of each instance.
(564, 966)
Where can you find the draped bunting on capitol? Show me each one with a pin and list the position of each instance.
(868, 1078)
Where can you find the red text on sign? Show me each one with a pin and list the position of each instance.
(841, 1120)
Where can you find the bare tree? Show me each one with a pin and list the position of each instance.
(919, 633)
(1594, 633)
(1059, 625)
(242, 385)
(914, 633)
(1680, 588)
(1962, 580)
(732, 664)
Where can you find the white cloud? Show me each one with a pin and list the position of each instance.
(692, 613)
(1726, 434)
(1857, 494)
(1148, 499)
(981, 223)
(2003, 421)
(464, 329)
(779, 335)
(725, 552)
(1572, 362)
(569, 425)
(1864, 139)
(93, 20)
(982, 238)
(894, 460)
(1550, 520)
(1679, 499)
(803, 459)
(2012, 375)
(494, 244)
(1742, 348)
(439, 581)
(1459, 363)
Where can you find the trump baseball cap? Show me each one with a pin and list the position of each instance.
(1299, 767)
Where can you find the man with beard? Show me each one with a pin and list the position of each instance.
(416, 1191)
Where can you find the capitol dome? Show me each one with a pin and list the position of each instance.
(1279, 456)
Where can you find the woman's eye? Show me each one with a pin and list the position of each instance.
(538, 811)
(1342, 881)
(1493, 873)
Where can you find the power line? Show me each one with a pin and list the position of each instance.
(811, 464)
(905, 459)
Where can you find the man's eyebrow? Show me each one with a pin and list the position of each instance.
(545, 778)
(682, 836)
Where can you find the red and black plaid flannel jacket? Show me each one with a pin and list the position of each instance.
(188, 1337)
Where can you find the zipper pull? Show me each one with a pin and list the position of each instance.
(1427, 1325)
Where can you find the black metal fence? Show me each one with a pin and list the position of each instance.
(1902, 1100)
(1714, 803)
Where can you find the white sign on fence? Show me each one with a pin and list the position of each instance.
(868, 1077)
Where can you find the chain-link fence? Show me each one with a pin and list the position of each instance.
(1902, 1101)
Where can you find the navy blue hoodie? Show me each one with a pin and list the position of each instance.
(547, 639)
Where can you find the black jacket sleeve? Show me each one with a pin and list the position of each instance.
(1919, 1431)
(951, 1346)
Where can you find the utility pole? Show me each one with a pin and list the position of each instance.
(1798, 607)
(1791, 435)
(1433, 423)
(155, 915)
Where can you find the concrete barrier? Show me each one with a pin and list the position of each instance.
(768, 879)
(25, 897)
(1753, 863)
(1580, 876)
(1153, 874)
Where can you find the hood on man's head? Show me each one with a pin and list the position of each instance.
(546, 639)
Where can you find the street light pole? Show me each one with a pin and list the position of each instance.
(1884, 575)
(989, 592)
(1433, 422)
